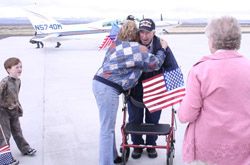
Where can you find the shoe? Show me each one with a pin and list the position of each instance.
(14, 162)
(136, 154)
(152, 152)
(118, 160)
(30, 152)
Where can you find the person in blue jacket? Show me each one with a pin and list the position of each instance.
(124, 62)
(136, 114)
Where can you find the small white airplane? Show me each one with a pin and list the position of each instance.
(49, 30)
(165, 26)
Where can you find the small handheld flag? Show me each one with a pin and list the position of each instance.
(111, 37)
(6, 157)
(163, 90)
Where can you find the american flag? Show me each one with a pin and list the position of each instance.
(163, 90)
(106, 42)
(5, 155)
(111, 37)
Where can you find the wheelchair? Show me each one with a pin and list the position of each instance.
(167, 130)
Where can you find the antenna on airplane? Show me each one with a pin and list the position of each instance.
(161, 17)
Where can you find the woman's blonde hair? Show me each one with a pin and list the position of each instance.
(225, 33)
(129, 31)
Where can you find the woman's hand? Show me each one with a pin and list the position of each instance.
(164, 44)
(13, 106)
(143, 49)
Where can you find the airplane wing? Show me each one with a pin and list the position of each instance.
(51, 37)
(46, 38)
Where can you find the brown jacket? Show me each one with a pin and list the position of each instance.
(9, 90)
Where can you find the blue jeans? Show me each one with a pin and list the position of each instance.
(107, 99)
(136, 116)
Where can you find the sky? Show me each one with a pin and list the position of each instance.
(177, 9)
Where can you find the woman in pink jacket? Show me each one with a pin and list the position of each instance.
(217, 101)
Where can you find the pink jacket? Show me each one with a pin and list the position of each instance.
(217, 108)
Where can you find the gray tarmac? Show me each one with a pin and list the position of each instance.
(60, 114)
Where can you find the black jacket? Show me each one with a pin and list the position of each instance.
(169, 64)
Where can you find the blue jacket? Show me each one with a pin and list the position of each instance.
(124, 63)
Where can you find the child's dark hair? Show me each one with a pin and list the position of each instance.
(11, 62)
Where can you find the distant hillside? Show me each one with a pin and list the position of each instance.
(204, 21)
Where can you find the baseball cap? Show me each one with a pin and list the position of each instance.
(130, 17)
(147, 24)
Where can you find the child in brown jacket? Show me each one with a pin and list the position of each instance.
(10, 107)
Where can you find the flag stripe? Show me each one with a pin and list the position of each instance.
(151, 110)
(107, 41)
(104, 43)
(154, 85)
(163, 94)
(158, 92)
(162, 100)
(4, 149)
(156, 89)
(152, 80)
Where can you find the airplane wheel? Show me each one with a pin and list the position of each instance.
(125, 155)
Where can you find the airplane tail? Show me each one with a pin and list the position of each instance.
(111, 37)
(43, 24)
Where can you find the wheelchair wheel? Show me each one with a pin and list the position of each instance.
(170, 156)
(125, 155)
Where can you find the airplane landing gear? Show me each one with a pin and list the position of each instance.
(58, 44)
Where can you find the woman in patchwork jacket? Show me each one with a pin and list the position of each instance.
(124, 62)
